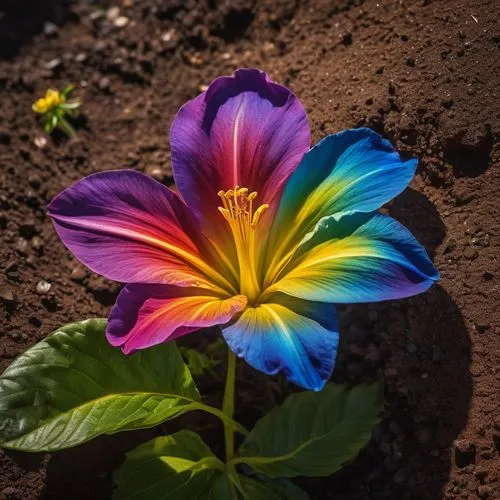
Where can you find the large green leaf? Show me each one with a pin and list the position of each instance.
(182, 467)
(313, 434)
(73, 386)
(266, 489)
(176, 467)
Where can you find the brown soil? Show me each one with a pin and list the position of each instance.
(422, 73)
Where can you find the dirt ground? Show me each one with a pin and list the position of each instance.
(423, 73)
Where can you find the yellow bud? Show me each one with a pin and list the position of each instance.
(52, 99)
(40, 106)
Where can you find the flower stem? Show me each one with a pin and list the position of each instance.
(228, 404)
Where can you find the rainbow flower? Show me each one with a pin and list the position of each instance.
(265, 237)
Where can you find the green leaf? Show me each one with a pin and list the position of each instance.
(176, 467)
(70, 105)
(65, 127)
(182, 467)
(67, 90)
(265, 489)
(74, 386)
(313, 434)
(198, 362)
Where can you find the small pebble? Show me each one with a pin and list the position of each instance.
(104, 83)
(40, 141)
(43, 287)
(168, 35)
(481, 241)
(121, 22)
(96, 14)
(470, 253)
(7, 294)
(53, 63)
(78, 274)
(50, 29)
(22, 246)
(37, 243)
(81, 57)
(113, 13)
(156, 173)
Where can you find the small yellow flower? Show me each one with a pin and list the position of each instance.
(52, 99)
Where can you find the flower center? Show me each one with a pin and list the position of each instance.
(238, 210)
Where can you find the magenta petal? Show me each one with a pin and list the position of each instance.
(147, 315)
(130, 228)
(244, 130)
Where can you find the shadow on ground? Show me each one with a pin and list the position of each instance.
(20, 20)
(422, 348)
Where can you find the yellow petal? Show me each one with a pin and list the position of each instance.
(40, 106)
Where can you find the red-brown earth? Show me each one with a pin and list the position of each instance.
(422, 73)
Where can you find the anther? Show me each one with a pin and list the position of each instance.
(258, 213)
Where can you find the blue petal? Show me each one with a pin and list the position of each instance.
(357, 258)
(296, 337)
(353, 171)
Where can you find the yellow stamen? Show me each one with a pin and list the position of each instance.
(237, 209)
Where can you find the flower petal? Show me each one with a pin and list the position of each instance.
(130, 228)
(357, 258)
(298, 338)
(244, 130)
(355, 170)
(147, 315)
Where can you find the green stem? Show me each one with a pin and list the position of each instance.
(228, 404)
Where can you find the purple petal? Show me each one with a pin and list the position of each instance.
(130, 228)
(244, 130)
(147, 315)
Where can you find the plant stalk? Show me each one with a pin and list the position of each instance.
(228, 404)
